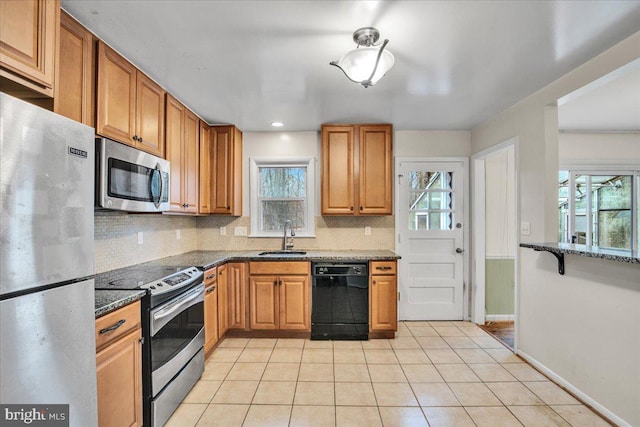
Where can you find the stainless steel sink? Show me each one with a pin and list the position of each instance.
(283, 253)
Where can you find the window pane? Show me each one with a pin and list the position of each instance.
(614, 229)
(420, 180)
(430, 200)
(283, 182)
(276, 212)
(421, 221)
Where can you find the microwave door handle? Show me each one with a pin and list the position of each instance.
(155, 198)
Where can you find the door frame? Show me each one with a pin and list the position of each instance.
(466, 297)
(478, 199)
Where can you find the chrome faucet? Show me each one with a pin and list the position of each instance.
(287, 244)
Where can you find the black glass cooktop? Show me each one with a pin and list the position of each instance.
(135, 276)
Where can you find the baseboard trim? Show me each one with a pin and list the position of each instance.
(500, 317)
(584, 398)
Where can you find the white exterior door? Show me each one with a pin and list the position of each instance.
(431, 236)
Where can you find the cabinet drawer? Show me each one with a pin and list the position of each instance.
(116, 324)
(383, 267)
(210, 276)
(279, 267)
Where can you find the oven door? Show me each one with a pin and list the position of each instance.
(177, 334)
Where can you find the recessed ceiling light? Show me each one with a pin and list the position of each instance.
(277, 124)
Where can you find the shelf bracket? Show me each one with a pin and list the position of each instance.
(560, 257)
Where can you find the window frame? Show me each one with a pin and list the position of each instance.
(589, 170)
(254, 197)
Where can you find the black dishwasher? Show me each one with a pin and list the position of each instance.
(340, 301)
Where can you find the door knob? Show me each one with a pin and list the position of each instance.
(459, 250)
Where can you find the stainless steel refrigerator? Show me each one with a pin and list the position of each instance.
(47, 265)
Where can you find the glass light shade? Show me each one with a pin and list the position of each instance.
(358, 64)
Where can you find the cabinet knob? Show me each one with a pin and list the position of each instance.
(360, 207)
(135, 137)
(459, 250)
(139, 139)
(351, 208)
(374, 282)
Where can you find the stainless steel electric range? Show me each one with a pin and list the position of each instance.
(172, 330)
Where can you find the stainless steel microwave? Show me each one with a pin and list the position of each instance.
(130, 180)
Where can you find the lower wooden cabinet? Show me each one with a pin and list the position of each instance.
(210, 309)
(119, 367)
(279, 295)
(383, 296)
(223, 300)
(236, 285)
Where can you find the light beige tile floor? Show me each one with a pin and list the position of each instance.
(435, 374)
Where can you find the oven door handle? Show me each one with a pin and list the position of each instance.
(175, 306)
(164, 315)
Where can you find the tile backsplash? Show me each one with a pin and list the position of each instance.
(116, 236)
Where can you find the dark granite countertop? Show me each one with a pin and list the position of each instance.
(619, 255)
(108, 301)
(208, 259)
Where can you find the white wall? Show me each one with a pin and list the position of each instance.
(583, 327)
(411, 143)
(604, 148)
(500, 214)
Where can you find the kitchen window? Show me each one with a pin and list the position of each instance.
(599, 208)
(282, 190)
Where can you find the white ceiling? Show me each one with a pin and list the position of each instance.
(254, 62)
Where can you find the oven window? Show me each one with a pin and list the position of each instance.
(176, 335)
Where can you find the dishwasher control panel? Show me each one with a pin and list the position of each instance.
(340, 269)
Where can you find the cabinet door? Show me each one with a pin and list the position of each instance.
(190, 165)
(294, 302)
(206, 178)
(237, 295)
(174, 152)
(375, 181)
(149, 115)
(221, 145)
(337, 170)
(28, 37)
(210, 317)
(223, 301)
(116, 96)
(74, 90)
(119, 377)
(263, 291)
(383, 301)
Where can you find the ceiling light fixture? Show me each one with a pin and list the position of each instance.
(277, 124)
(367, 63)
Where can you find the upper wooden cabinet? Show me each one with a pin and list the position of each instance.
(75, 89)
(183, 134)
(356, 170)
(28, 40)
(221, 172)
(204, 200)
(130, 107)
